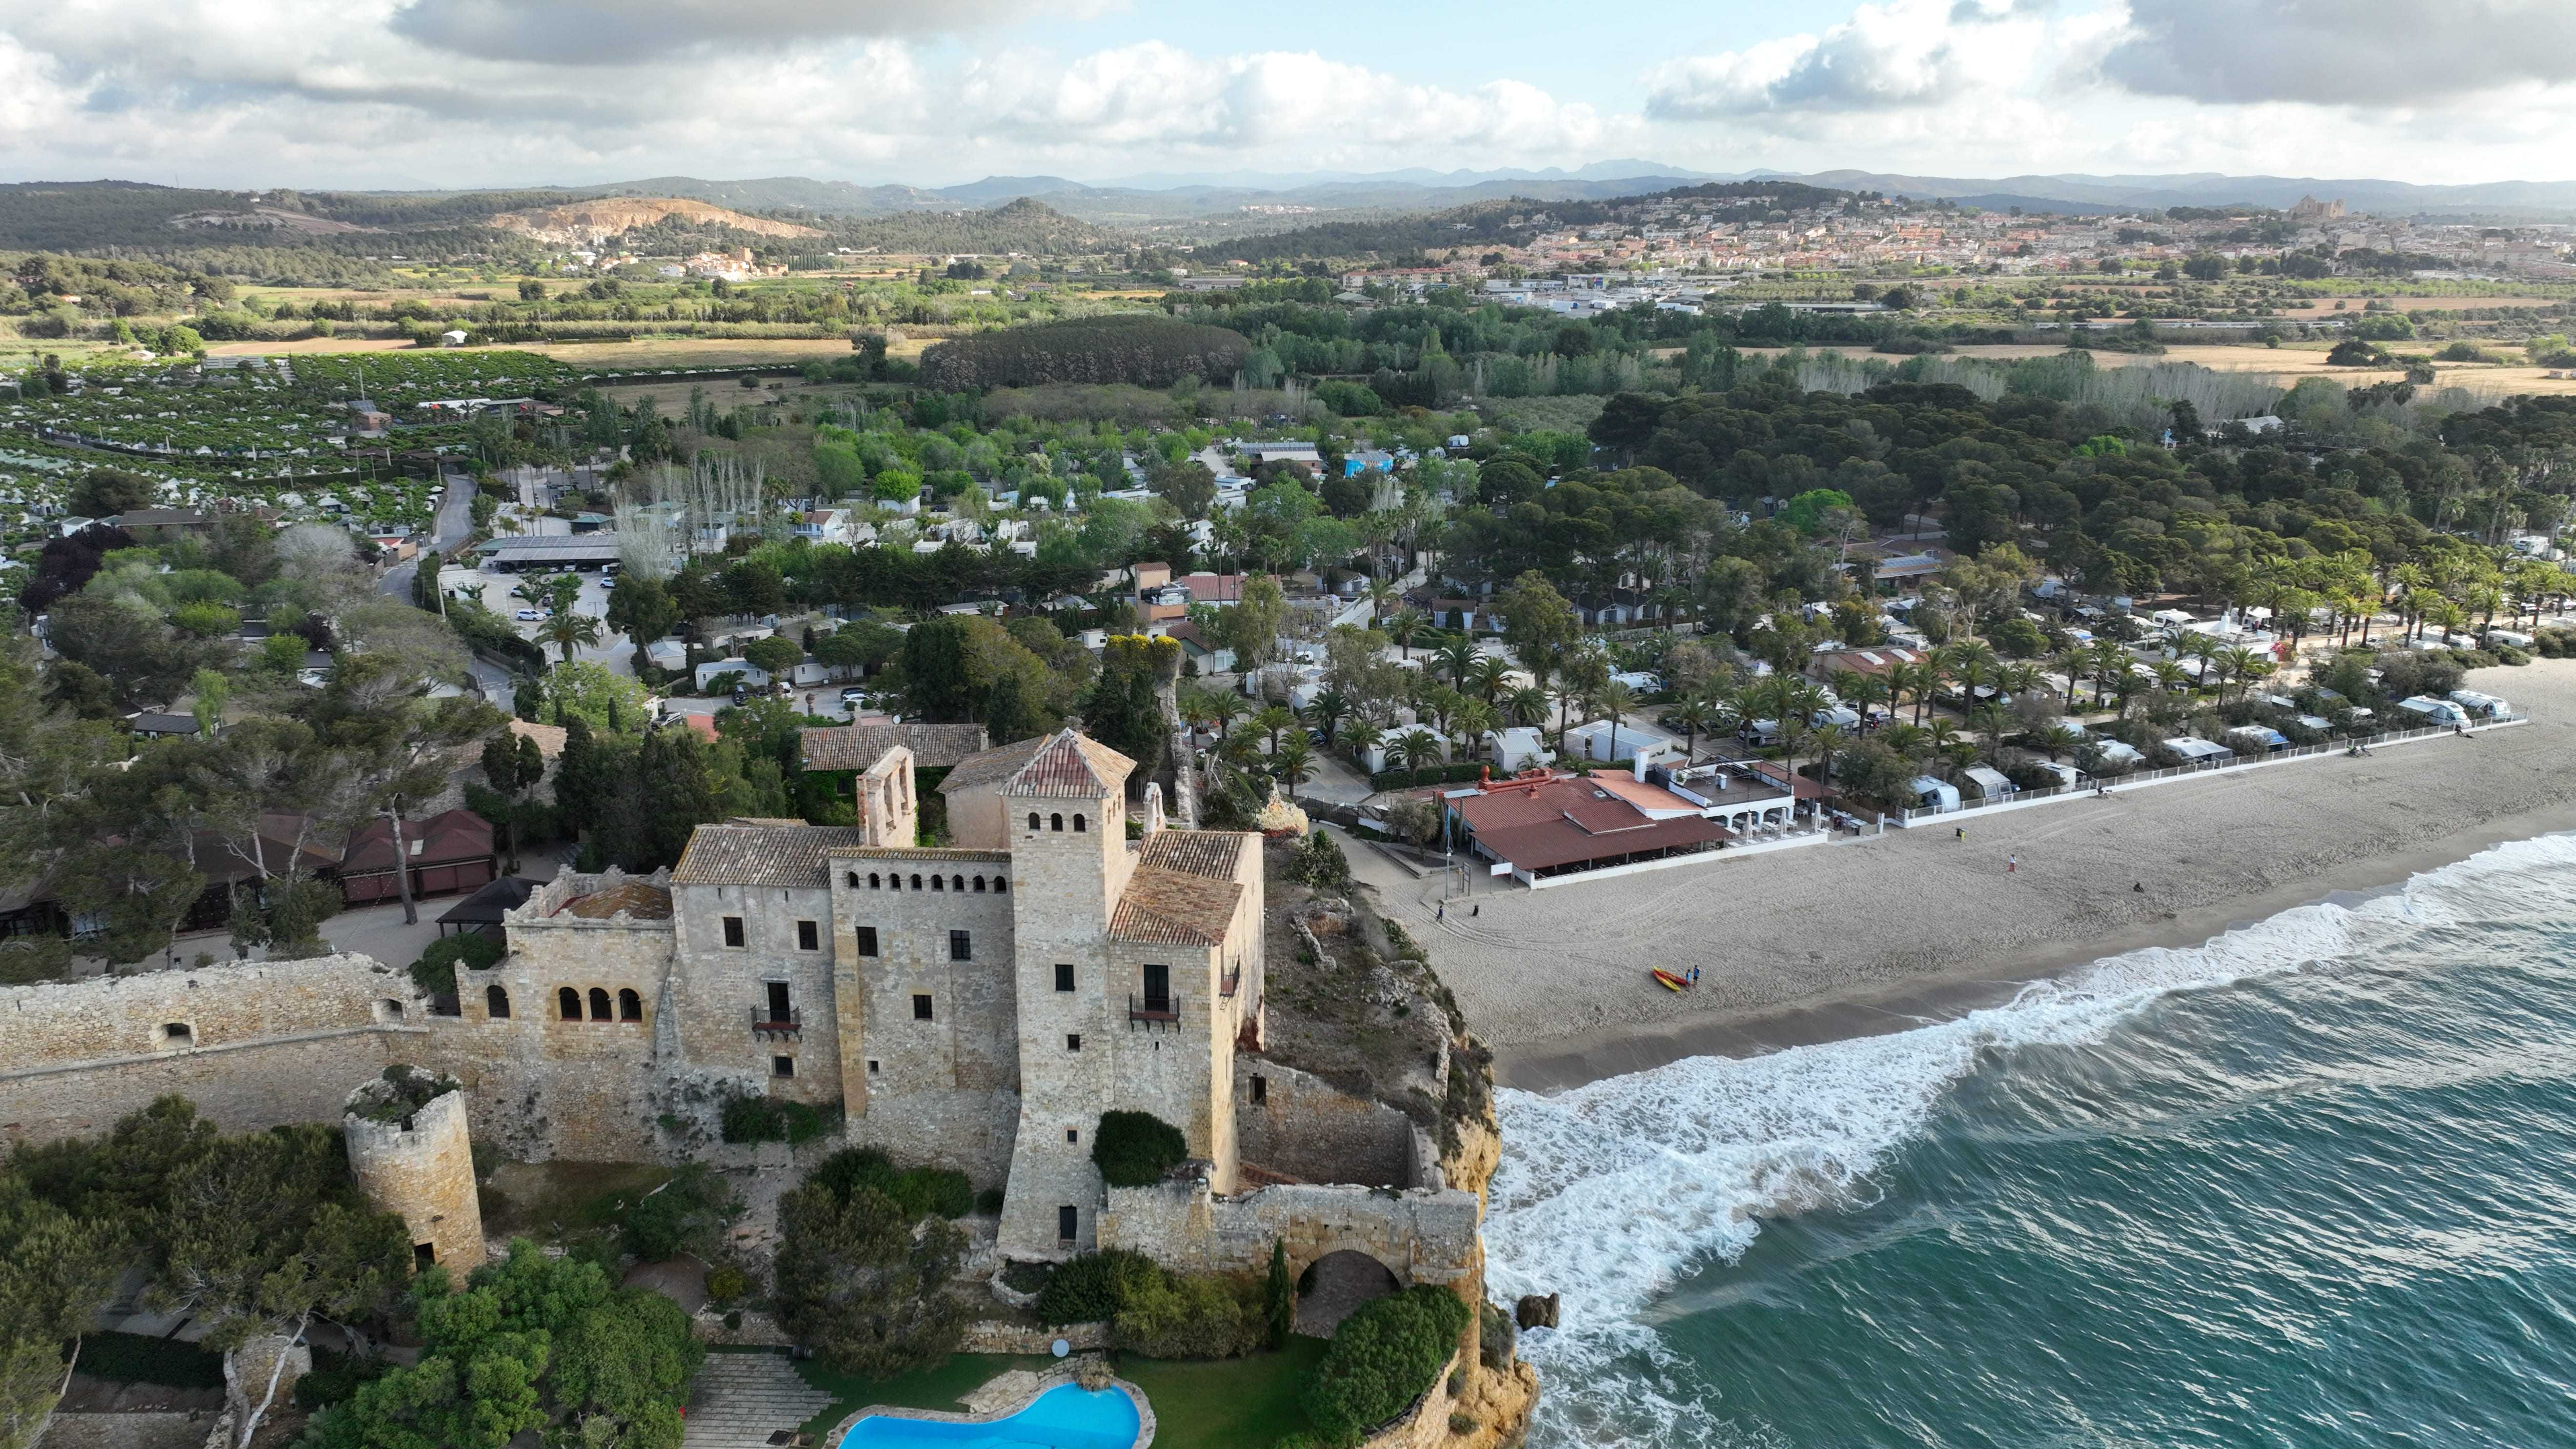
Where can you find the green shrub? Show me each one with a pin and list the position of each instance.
(921, 1191)
(771, 1119)
(1090, 1288)
(1497, 1337)
(683, 1215)
(1195, 1315)
(334, 1378)
(1135, 1149)
(1382, 1358)
(2507, 654)
(435, 971)
(1461, 1423)
(726, 1283)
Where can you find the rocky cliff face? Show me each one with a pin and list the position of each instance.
(597, 221)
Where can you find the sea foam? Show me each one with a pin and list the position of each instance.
(1609, 1192)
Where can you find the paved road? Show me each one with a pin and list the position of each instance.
(455, 520)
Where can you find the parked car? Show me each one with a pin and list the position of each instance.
(853, 694)
(529, 615)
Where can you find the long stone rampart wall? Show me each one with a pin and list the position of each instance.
(253, 1045)
(1305, 1127)
(1422, 1235)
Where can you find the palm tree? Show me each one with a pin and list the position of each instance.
(2236, 663)
(1404, 628)
(1866, 691)
(1380, 595)
(1221, 706)
(1614, 699)
(2056, 739)
(2071, 663)
(1418, 748)
(1910, 684)
(1360, 737)
(1491, 676)
(1527, 705)
(1274, 722)
(1457, 656)
(1327, 711)
(1990, 721)
(1692, 716)
(1472, 721)
(1293, 762)
(567, 629)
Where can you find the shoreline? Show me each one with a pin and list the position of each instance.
(1554, 1066)
(1885, 933)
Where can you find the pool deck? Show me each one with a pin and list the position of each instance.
(1001, 1396)
(743, 1398)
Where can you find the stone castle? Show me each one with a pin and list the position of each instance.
(977, 1006)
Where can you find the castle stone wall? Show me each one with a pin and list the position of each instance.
(263, 1044)
(1305, 1127)
(1422, 1235)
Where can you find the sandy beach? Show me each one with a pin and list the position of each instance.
(1886, 932)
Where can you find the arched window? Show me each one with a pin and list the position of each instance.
(630, 1007)
(568, 1004)
(875, 884)
(1055, 822)
(1033, 820)
(894, 882)
(496, 1002)
(938, 883)
(958, 883)
(979, 885)
(854, 880)
(1000, 884)
(1077, 825)
(916, 882)
(599, 1003)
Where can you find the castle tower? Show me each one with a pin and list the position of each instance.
(411, 1153)
(1066, 814)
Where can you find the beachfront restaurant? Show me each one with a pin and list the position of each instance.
(1544, 830)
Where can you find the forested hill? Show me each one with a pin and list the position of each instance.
(1017, 226)
(1514, 221)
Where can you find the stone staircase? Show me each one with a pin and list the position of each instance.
(740, 1400)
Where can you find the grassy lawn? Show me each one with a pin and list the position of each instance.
(1242, 1403)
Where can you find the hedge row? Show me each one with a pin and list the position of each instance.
(1383, 1357)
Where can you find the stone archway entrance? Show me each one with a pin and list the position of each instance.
(1336, 1284)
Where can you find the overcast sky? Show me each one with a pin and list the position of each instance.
(408, 93)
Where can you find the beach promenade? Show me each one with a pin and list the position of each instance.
(1887, 931)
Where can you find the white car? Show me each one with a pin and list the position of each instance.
(526, 615)
(608, 583)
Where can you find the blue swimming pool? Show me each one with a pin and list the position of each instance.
(1068, 1416)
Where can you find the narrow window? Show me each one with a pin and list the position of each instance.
(1073, 1134)
(867, 940)
(424, 1256)
(1000, 885)
(1158, 988)
(875, 884)
(496, 1002)
(1068, 1222)
(1260, 1090)
(809, 936)
(1077, 825)
(916, 882)
(1055, 822)
(1033, 820)
(782, 1066)
(599, 1003)
(961, 946)
(957, 882)
(979, 885)
(733, 930)
(1064, 976)
(779, 1006)
(939, 883)
(894, 882)
(854, 880)
(178, 1033)
(921, 1008)
(568, 1004)
(630, 1007)
(872, 1066)
(1073, 1041)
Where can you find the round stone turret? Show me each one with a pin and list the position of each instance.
(411, 1153)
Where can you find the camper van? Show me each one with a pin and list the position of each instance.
(2480, 706)
(2434, 711)
(1934, 793)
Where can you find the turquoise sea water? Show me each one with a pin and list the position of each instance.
(2313, 1184)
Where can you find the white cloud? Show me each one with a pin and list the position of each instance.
(2341, 52)
(1907, 53)
(617, 32)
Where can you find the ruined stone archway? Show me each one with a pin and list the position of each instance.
(1336, 1284)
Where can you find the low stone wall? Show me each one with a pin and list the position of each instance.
(1308, 1128)
(751, 1330)
(991, 1335)
(1422, 1235)
(1428, 1423)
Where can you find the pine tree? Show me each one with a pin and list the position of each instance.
(1279, 1296)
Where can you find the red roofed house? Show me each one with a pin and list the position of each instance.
(1565, 825)
(448, 853)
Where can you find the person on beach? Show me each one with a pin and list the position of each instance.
(1440, 912)
(2012, 864)
(1963, 833)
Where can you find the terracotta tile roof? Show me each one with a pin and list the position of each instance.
(455, 835)
(1561, 842)
(1169, 908)
(999, 763)
(1072, 765)
(1216, 854)
(762, 855)
(856, 747)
